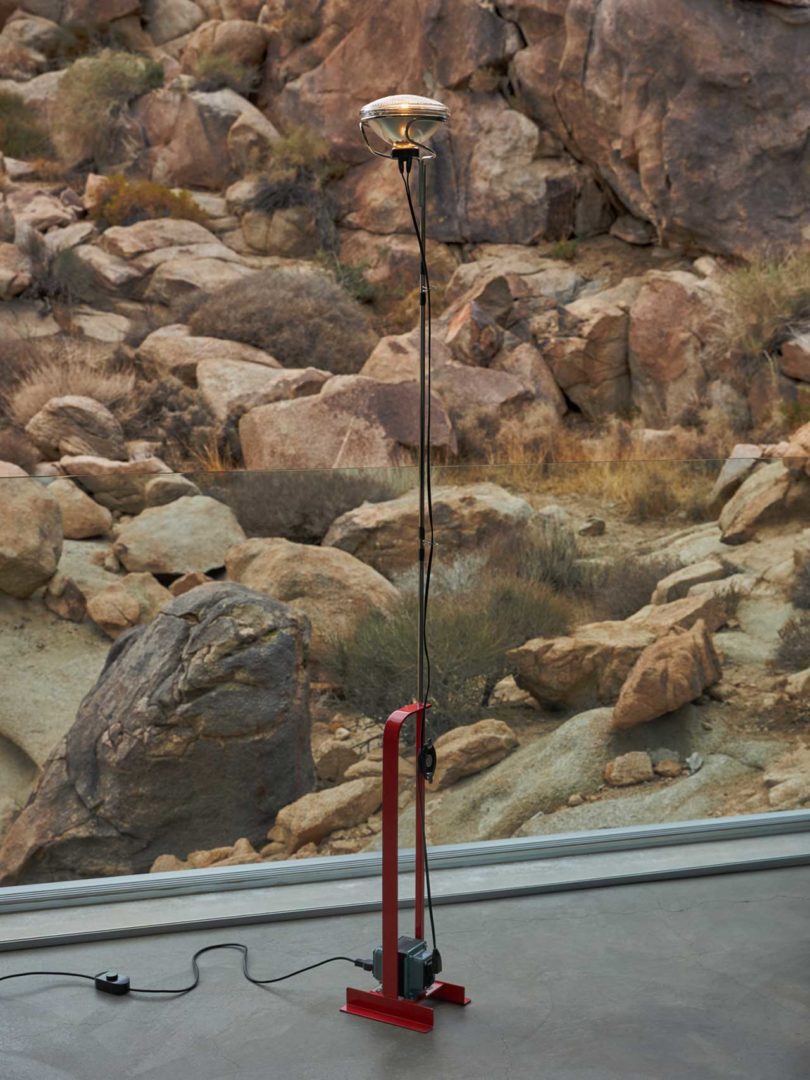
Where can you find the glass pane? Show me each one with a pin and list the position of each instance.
(197, 667)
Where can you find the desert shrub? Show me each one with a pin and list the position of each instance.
(56, 279)
(620, 587)
(62, 375)
(304, 320)
(17, 448)
(92, 93)
(124, 202)
(566, 250)
(764, 301)
(173, 414)
(800, 586)
(545, 554)
(793, 652)
(21, 133)
(469, 635)
(301, 505)
(213, 71)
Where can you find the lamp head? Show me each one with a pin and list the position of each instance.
(403, 121)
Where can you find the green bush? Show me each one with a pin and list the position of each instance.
(92, 94)
(125, 202)
(470, 631)
(304, 320)
(793, 653)
(21, 134)
(213, 71)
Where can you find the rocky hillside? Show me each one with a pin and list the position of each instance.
(207, 286)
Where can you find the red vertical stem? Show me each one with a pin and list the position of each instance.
(419, 867)
(390, 897)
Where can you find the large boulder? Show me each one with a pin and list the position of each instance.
(382, 534)
(585, 669)
(586, 349)
(314, 816)
(187, 134)
(331, 587)
(118, 485)
(167, 20)
(215, 687)
(238, 41)
(77, 425)
(353, 422)
(670, 354)
(766, 496)
(82, 517)
(30, 536)
(657, 97)
(471, 748)
(671, 672)
(171, 350)
(192, 533)
(232, 387)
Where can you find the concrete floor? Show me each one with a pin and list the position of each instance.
(697, 979)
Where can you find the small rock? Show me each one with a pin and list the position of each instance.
(633, 230)
(593, 526)
(633, 768)
(165, 489)
(575, 800)
(694, 762)
(332, 757)
(188, 582)
(471, 749)
(133, 600)
(506, 692)
(82, 517)
(77, 425)
(314, 816)
(668, 767)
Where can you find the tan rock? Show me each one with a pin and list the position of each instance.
(671, 672)
(738, 465)
(464, 388)
(77, 425)
(669, 767)
(186, 535)
(107, 272)
(671, 363)
(332, 758)
(250, 142)
(353, 422)
(144, 237)
(470, 749)
(118, 485)
(64, 598)
(316, 815)
(132, 601)
(290, 232)
(582, 670)
(381, 534)
(170, 19)
(334, 589)
(788, 780)
(633, 768)
(797, 455)
(166, 489)
(40, 211)
(82, 517)
(682, 614)
(30, 536)
(677, 584)
(587, 352)
(15, 272)
(528, 364)
(473, 336)
(188, 582)
(8, 470)
(760, 499)
(242, 42)
(172, 350)
(232, 387)
(795, 358)
(188, 274)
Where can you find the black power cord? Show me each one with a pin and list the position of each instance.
(427, 758)
(110, 982)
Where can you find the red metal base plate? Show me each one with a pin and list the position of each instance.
(373, 1005)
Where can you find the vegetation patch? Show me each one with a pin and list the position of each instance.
(217, 71)
(303, 319)
(793, 653)
(21, 133)
(124, 202)
(92, 95)
(800, 587)
(60, 376)
(766, 301)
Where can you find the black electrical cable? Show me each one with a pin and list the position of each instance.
(405, 168)
(365, 964)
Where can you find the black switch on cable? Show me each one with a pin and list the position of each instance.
(110, 982)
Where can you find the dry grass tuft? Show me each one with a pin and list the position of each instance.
(59, 377)
(124, 202)
(764, 302)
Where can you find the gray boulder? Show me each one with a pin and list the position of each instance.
(197, 731)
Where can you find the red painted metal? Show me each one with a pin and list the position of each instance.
(385, 1004)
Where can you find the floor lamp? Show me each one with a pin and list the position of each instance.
(406, 967)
